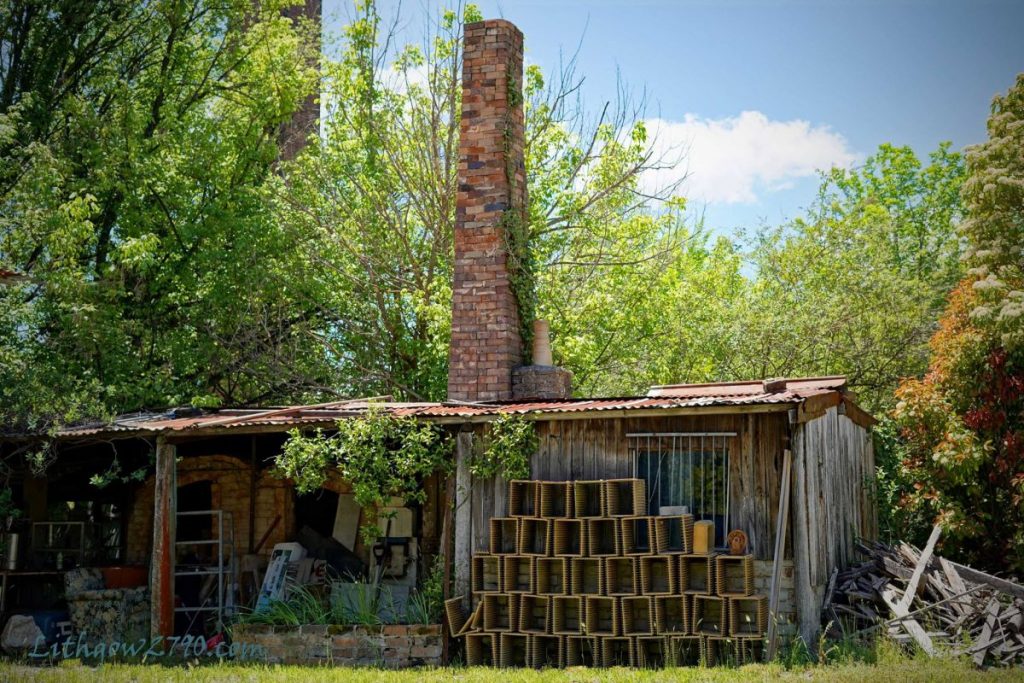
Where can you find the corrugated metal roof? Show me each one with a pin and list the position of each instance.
(768, 392)
(800, 388)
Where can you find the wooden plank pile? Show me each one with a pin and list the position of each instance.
(578, 574)
(918, 598)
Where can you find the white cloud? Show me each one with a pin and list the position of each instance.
(731, 160)
(400, 81)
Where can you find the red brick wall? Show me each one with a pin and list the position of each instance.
(486, 345)
(229, 488)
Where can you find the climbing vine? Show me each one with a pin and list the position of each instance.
(510, 442)
(380, 455)
(516, 227)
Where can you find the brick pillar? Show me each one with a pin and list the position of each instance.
(294, 132)
(486, 344)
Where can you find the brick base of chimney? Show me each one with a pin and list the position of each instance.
(541, 382)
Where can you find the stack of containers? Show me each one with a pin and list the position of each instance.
(577, 574)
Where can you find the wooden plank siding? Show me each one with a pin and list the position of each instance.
(599, 449)
(833, 505)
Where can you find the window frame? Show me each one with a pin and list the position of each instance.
(682, 445)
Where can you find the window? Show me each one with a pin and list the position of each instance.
(689, 470)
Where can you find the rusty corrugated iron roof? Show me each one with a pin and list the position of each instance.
(798, 388)
(768, 392)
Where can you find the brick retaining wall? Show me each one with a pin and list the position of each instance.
(787, 596)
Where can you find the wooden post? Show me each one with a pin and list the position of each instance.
(922, 564)
(463, 512)
(780, 550)
(446, 554)
(253, 467)
(161, 573)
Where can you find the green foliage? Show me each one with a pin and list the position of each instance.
(136, 142)
(854, 288)
(962, 424)
(373, 206)
(364, 603)
(303, 605)
(510, 443)
(994, 193)
(897, 520)
(427, 601)
(7, 507)
(379, 454)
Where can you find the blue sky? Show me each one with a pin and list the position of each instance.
(763, 93)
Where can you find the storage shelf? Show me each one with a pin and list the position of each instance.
(220, 565)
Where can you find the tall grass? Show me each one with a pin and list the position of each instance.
(303, 605)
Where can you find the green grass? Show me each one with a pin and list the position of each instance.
(890, 672)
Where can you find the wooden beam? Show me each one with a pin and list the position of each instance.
(910, 624)
(816, 406)
(253, 475)
(976, 576)
(463, 512)
(952, 599)
(922, 564)
(446, 554)
(161, 576)
(780, 550)
(858, 415)
(985, 640)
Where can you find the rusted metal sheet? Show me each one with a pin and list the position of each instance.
(763, 390)
(689, 396)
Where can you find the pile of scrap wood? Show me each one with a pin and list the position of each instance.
(919, 598)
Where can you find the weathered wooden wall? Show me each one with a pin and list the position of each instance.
(579, 449)
(833, 505)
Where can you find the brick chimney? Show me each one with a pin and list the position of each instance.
(486, 344)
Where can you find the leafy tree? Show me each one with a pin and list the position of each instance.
(135, 140)
(854, 287)
(374, 207)
(963, 422)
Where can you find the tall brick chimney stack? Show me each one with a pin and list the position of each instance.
(486, 344)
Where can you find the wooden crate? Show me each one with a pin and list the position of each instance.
(673, 534)
(697, 574)
(481, 649)
(587, 576)
(710, 615)
(486, 573)
(637, 535)
(621, 576)
(569, 537)
(552, 576)
(625, 497)
(504, 538)
(523, 498)
(568, 616)
(556, 499)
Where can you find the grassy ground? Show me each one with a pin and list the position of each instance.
(890, 672)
